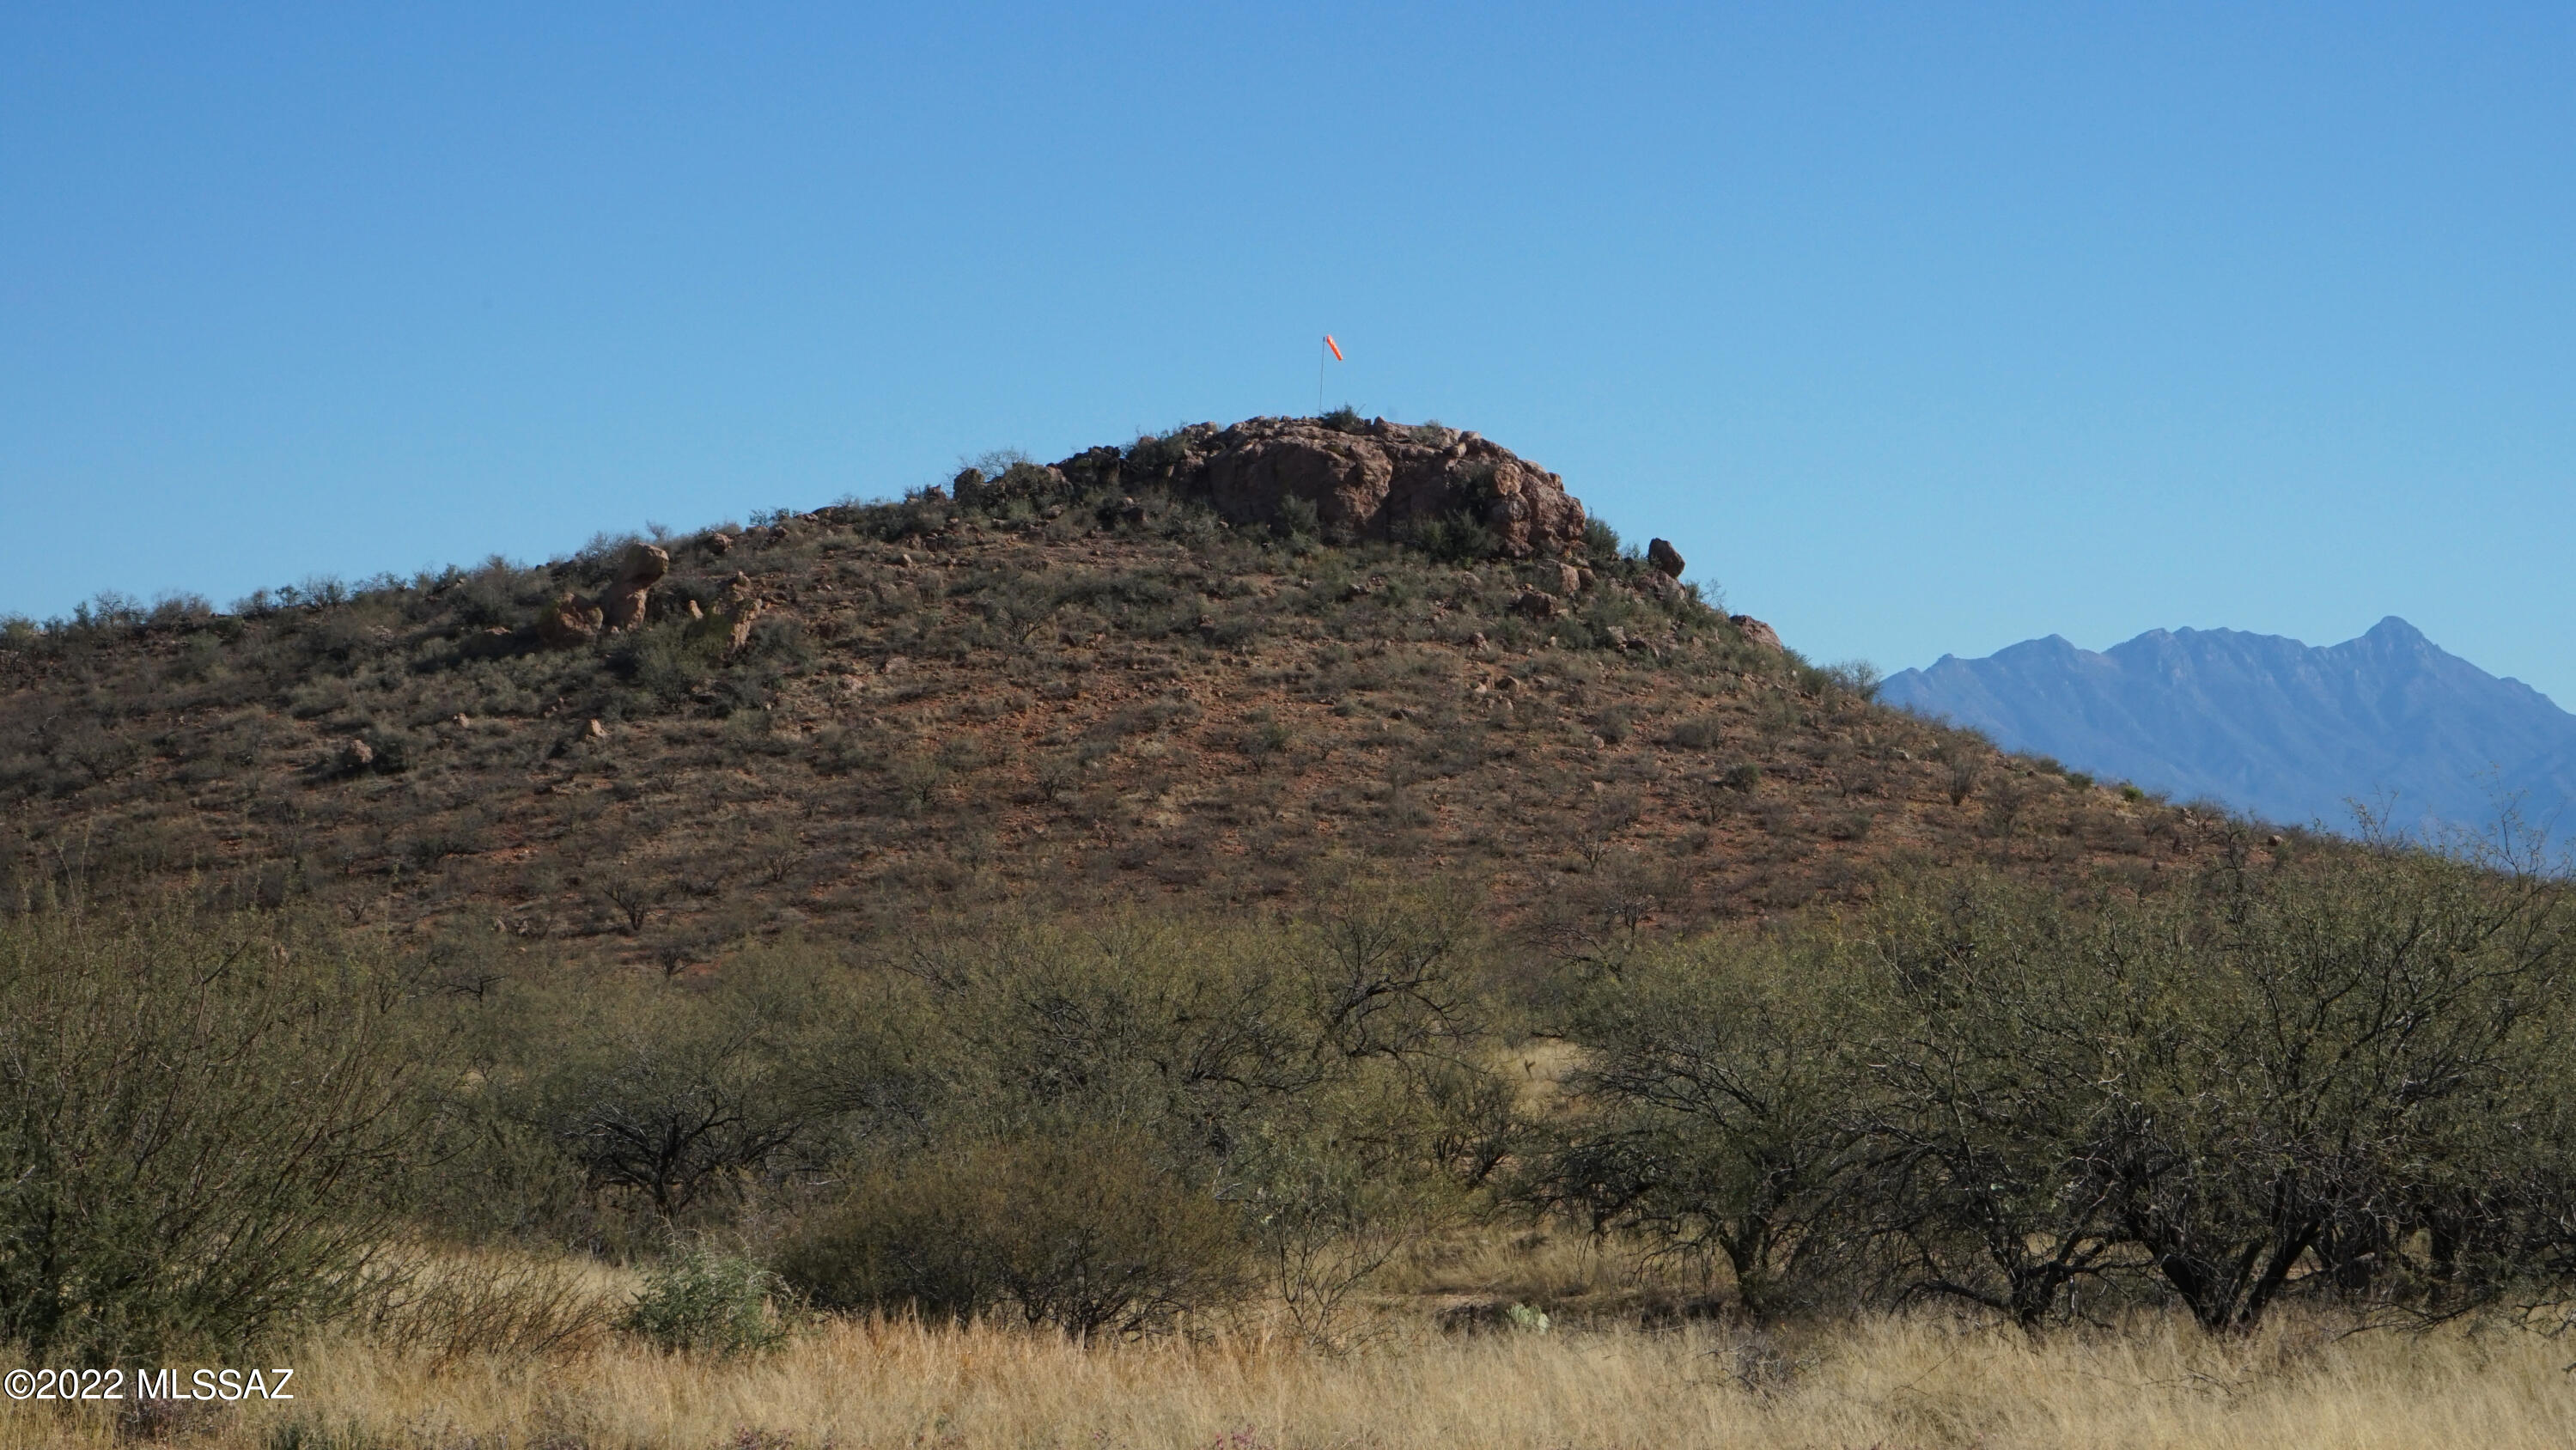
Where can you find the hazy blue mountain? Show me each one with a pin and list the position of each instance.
(2287, 731)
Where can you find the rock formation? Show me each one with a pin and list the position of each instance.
(621, 604)
(1665, 558)
(569, 621)
(742, 611)
(572, 620)
(1360, 480)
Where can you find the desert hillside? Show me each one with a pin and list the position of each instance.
(1271, 926)
(1214, 662)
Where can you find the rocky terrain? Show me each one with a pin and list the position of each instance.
(1227, 662)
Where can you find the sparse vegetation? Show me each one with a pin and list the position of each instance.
(1219, 981)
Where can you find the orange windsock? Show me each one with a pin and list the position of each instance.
(1335, 346)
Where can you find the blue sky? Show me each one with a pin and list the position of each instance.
(1918, 329)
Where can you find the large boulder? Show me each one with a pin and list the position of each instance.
(621, 604)
(1666, 559)
(1360, 480)
(568, 622)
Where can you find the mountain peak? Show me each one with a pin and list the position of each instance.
(2272, 726)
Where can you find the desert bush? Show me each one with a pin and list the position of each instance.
(1080, 1229)
(1704, 732)
(1454, 538)
(1857, 679)
(1600, 541)
(665, 1103)
(1711, 1113)
(1261, 734)
(517, 1307)
(669, 660)
(1322, 1217)
(205, 1128)
(1962, 768)
(2252, 1086)
(707, 1301)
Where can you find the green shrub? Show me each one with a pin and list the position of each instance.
(1703, 733)
(1080, 1230)
(1262, 734)
(1857, 678)
(710, 1302)
(204, 1126)
(1600, 541)
(1454, 538)
(668, 660)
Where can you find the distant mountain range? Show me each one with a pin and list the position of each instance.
(2288, 732)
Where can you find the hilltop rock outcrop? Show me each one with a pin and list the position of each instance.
(1354, 480)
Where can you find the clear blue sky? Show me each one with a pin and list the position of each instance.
(1918, 329)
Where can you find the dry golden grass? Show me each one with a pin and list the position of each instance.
(1882, 1383)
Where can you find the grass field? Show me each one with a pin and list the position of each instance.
(1889, 1382)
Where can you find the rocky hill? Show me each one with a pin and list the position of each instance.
(2388, 722)
(1226, 662)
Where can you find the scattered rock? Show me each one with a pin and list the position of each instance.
(1584, 578)
(1666, 559)
(1535, 605)
(594, 731)
(1755, 631)
(356, 755)
(894, 665)
(1569, 580)
(1476, 640)
(1130, 511)
(622, 603)
(719, 544)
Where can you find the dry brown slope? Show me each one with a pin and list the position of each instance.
(940, 705)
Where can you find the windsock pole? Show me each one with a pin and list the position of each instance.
(1335, 350)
